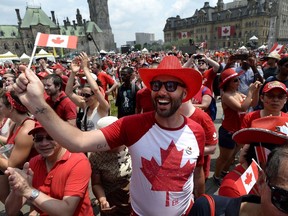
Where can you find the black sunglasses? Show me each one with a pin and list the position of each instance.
(279, 197)
(41, 138)
(236, 80)
(87, 95)
(170, 86)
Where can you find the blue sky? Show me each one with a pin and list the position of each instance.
(126, 16)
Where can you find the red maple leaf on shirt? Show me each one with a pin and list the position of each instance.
(169, 176)
(248, 179)
(57, 40)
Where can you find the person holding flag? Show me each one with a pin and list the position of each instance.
(273, 184)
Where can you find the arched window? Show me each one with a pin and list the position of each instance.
(16, 46)
(6, 46)
(1, 33)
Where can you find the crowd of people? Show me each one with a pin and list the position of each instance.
(153, 155)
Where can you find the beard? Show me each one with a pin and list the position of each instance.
(174, 106)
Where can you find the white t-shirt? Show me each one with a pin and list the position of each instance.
(163, 162)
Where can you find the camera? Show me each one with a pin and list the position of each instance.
(239, 57)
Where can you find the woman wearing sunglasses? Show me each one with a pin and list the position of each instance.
(234, 105)
(91, 100)
(23, 150)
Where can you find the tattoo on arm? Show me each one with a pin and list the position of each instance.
(40, 110)
(100, 147)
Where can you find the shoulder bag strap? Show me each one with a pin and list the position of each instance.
(211, 203)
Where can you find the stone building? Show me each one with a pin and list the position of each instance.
(99, 14)
(231, 25)
(20, 38)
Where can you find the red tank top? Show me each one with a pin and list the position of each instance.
(11, 140)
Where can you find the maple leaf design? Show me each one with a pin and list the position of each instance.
(248, 179)
(283, 129)
(225, 31)
(57, 40)
(170, 176)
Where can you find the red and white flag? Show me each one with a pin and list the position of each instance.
(277, 48)
(226, 31)
(248, 179)
(261, 154)
(53, 40)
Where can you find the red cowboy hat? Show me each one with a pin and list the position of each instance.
(226, 75)
(171, 66)
(270, 129)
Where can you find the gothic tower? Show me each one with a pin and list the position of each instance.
(220, 5)
(99, 14)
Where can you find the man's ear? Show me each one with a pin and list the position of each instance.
(184, 94)
(261, 98)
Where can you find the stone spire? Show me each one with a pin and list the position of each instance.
(220, 5)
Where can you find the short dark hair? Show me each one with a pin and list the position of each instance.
(127, 70)
(57, 80)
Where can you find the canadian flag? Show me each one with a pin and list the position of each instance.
(248, 179)
(277, 48)
(184, 35)
(226, 31)
(53, 40)
(261, 154)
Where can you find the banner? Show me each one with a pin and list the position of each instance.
(277, 48)
(52, 40)
(226, 31)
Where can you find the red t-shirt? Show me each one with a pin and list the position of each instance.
(163, 162)
(205, 121)
(144, 100)
(204, 90)
(249, 117)
(70, 176)
(66, 109)
(208, 78)
(105, 80)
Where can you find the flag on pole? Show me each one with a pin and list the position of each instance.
(53, 40)
(277, 48)
(261, 154)
(248, 179)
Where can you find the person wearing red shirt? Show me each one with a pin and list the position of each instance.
(60, 182)
(105, 79)
(143, 101)
(58, 100)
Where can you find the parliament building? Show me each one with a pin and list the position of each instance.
(232, 25)
(92, 38)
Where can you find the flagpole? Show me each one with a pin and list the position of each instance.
(34, 50)
(257, 164)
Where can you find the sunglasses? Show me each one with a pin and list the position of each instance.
(279, 97)
(236, 80)
(87, 95)
(41, 138)
(170, 86)
(286, 65)
(279, 197)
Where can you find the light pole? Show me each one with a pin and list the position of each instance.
(90, 37)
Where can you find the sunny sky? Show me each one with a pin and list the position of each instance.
(126, 16)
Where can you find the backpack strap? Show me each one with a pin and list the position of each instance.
(211, 203)
(58, 102)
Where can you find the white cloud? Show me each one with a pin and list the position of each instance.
(126, 16)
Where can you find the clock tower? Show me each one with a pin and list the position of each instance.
(99, 14)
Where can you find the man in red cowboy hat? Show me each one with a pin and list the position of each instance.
(166, 147)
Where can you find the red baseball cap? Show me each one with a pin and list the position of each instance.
(274, 85)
